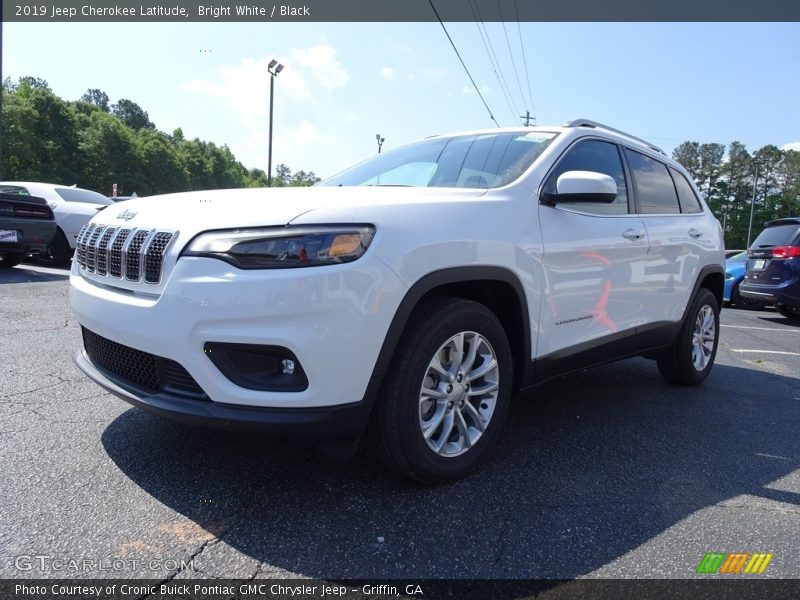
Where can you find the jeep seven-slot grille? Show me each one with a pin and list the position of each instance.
(133, 272)
(132, 254)
(154, 255)
(141, 370)
(91, 248)
(115, 253)
(102, 250)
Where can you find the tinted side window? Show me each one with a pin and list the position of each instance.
(686, 195)
(600, 157)
(655, 191)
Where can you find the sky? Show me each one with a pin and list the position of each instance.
(343, 83)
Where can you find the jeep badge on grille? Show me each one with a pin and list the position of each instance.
(126, 215)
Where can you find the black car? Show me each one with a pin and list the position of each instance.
(773, 267)
(27, 226)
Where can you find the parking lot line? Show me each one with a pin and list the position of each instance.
(766, 351)
(763, 328)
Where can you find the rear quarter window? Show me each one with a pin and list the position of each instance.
(690, 203)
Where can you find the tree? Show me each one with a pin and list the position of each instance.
(788, 204)
(688, 155)
(97, 98)
(162, 170)
(34, 83)
(132, 114)
(39, 134)
(303, 179)
(283, 176)
(49, 139)
(110, 154)
(710, 167)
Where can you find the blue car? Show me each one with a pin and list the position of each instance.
(735, 268)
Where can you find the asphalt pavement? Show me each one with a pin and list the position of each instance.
(608, 472)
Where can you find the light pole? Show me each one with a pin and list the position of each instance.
(380, 141)
(273, 68)
(752, 206)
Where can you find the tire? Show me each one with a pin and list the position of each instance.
(680, 364)
(741, 302)
(10, 260)
(790, 312)
(58, 254)
(396, 426)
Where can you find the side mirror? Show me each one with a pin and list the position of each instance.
(582, 186)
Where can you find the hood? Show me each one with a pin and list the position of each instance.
(193, 212)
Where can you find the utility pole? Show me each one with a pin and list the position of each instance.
(1, 98)
(380, 141)
(273, 68)
(528, 118)
(752, 206)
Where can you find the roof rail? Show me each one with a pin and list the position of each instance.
(595, 124)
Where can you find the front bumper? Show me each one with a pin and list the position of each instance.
(336, 424)
(332, 318)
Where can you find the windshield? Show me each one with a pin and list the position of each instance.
(470, 161)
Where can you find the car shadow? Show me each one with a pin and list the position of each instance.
(590, 467)
(25, 274)
(781, 320)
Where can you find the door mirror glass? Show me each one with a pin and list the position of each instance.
(582, 186)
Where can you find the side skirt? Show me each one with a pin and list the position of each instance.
(641, 341)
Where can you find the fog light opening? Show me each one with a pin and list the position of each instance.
(257, 367)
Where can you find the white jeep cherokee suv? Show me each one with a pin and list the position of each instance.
(410, 296)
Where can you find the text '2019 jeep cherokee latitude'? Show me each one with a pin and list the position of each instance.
(410, 296)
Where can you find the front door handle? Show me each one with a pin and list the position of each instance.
(695, 233)
(632, 234)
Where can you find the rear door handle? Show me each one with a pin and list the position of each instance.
(695, 233)
(632, 234)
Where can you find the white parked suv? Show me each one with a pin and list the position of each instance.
(410, 296)
(72, 207)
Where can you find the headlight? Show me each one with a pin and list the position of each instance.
(284, 247)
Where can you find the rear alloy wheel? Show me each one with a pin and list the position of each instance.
(57, 254)
(691, 357)
(790, 312)
(446, 392)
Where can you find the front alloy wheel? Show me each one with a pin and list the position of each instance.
(445, 393)
(458, 394)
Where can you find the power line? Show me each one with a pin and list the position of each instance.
(489, 52)
(510, 53)
(525, 62)
(436, 12)
(494, 57)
